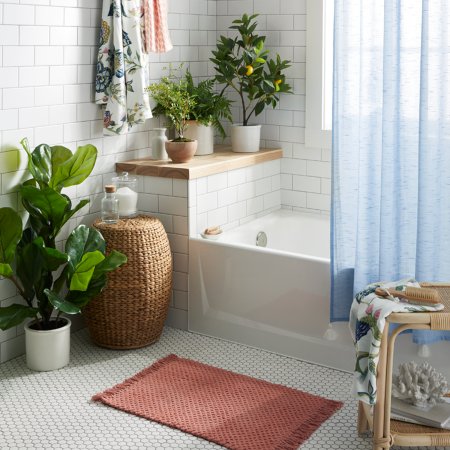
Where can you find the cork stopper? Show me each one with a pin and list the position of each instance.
(110, 188)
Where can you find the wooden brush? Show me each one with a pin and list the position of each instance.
(413, 295)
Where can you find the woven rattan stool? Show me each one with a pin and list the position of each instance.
(131, 311)
(387, 432)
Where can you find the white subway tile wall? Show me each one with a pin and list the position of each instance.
(231, 198)
(167, 199)
(306, 172)
(47, 67)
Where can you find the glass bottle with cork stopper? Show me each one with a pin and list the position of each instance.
(110, 205)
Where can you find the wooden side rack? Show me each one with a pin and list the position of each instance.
(387, 432)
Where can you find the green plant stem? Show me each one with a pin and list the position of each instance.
(244, 111)
(38, 322)
(20, 289)
(260, 99)
(241, 95)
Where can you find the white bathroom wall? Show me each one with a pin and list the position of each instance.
(234, 197)
(47, 64)
(305, 172)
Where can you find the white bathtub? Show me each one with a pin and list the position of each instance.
(275, 298)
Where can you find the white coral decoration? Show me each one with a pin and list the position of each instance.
(420, 384)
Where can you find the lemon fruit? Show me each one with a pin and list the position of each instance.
(249, 70)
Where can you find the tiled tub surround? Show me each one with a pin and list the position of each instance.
(167, 199)
(234, 197)
(187, 206)
(225, 188)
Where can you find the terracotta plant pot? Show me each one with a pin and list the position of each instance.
(181, 152)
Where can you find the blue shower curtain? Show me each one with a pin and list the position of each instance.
(391, 146)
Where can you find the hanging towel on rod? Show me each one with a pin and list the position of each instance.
(155, 30)
(122, 68)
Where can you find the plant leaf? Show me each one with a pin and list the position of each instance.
(83, 298)
(52, 257)
(39, 162)
(45, 204)
(15, 314)
(82, 240)
(29, 264)
(60, 303)
(114, 260)
(10, 233)
(5, 270)
(70, 212)
(60, 155)
(259, 108)
(84, 270)
(75, 169)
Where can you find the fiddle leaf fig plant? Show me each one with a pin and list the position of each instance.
(242, 63)
(48, 279)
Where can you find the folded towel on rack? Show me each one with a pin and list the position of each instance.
(367, 321)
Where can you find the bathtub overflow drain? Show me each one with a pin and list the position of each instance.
(261, 239)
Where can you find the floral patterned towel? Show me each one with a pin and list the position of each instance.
(367, 320)
(122, 76)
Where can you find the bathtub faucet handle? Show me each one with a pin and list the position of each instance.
(261, 239)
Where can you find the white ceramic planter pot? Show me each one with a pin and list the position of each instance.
(47, 349)
(245, 139)
(204, 136)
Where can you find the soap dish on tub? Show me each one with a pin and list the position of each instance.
(212, 233)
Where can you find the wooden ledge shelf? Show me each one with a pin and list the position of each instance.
(222, 160)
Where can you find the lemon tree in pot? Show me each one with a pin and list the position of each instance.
(242, 64)
(51, 280)
(209, 109)
(174, 101)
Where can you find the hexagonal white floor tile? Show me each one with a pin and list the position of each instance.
(52, 410)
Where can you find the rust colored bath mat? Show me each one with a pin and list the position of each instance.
(236, 411)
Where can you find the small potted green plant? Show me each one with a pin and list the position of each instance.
(174, 101)
(242, 64)
(210, 108)
(51, 280)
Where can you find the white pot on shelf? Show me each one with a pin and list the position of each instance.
(245, 138)
(204, 136)
(47, 349)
